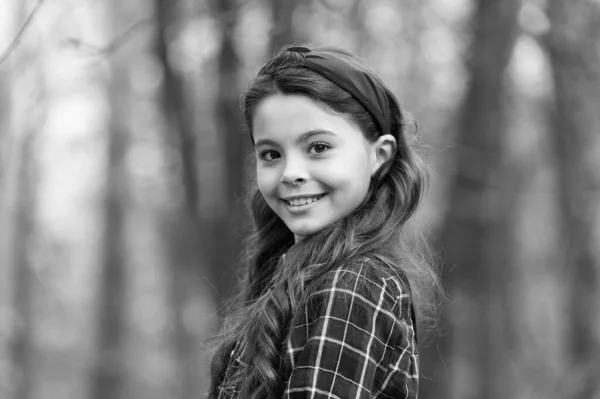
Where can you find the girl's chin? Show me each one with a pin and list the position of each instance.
(300, 233)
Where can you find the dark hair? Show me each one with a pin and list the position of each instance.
(276, 286)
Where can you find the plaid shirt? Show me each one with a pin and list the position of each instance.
(354, 338)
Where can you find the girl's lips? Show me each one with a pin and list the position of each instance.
(300, 204)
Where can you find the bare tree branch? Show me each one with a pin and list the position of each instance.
(118, 41)
(114, 44)
(17, 38)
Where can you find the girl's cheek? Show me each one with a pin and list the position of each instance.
(260, 182)
(266, 180)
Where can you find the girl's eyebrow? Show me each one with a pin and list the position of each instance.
(303, 137)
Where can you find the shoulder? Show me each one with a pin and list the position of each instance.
(354, 337)
(369, 280)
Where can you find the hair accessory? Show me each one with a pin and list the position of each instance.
(299, 49)
(349, 77)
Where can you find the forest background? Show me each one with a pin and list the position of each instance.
(124, 162)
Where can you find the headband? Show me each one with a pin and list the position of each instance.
(359, 84)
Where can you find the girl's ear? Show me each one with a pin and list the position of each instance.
(385, 149)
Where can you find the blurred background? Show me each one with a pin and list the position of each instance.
(124, 161)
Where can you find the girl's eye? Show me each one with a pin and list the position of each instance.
(269, 155)
(318, 148)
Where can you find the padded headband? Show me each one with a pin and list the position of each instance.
(344, 74)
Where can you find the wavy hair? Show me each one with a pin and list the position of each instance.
(276, 286)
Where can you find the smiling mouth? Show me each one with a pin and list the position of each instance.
(297, 202)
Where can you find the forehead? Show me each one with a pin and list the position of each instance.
(284, 116)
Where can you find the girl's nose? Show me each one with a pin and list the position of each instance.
(294, 172)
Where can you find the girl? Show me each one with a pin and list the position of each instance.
(332, 299)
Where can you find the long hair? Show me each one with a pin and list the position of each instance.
(276, 286)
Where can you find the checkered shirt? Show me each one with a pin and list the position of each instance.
(354, 338)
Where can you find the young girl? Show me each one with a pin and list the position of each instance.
(332, 298)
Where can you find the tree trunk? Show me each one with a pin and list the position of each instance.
(575, 119)
(472, 357)
(178, 110)
(108, 379)
(283, 32)
(21, 118)
(22, 291)
(184, 233)
(7, 180)
(362, 40)
(227, 231)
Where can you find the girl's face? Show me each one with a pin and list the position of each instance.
(313, 166)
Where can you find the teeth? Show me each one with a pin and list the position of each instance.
(303, 201)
